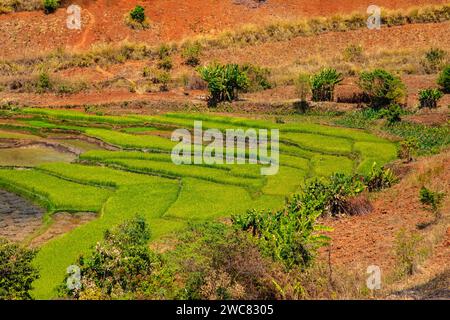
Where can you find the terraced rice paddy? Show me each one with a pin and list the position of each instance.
(139, 177)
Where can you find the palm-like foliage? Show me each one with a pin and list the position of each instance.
(323, 84)
(224, 81)
(429, 97)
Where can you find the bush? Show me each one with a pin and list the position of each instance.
(43, 83)
(431, 198)
(164, 51)
(434, 58)
(408, 149)
(429, 98)
(353, 53)
(289, 235)
(379, 178)
(258, 77)
(16, 271)
(136, 18)
(382, 88)
(165, 63)
(323, 84)
(392, 114)
(224, 81)
(50, 6)
(218, 262)
(163, 78)
(121, 266)
(191, 54)
(444, 79)
(138, 14)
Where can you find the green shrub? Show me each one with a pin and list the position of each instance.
(50, 6)
(392, 114)
(191, 54)
(379, 178)
(382, 88)
(165, 63)
(323, 84)
(138, 14)
(43, 83)
(431, 198)
(353, 53)
(163, 78)
(16, 271)
(224, 81)
(164, 51)
(444, 79)
(408, 149)
(212, 264)
(429, 98)
(289, 235)
(258, 77)
(120, 266)
(434, 59)
(136, 18)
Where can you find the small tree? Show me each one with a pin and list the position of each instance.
(16, 271)
(444, 79)
(138, 14)
(50, 6)
(382, 88)
(43, 82)
(120, 266)
(136, 18)
(224, 81)
(429, 98)
(323, 84)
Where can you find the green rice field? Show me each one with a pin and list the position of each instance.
(136, 175)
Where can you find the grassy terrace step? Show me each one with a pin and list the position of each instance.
(131, 141)
(95, 175)
(62, 195)
(242, 170)
(200, 200)
(320, 143)
(169, 169)
(80, 116)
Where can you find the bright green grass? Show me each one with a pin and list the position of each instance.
(205, 200)
(169, 169)
(100, 176)
(371, 152)
(131, 141)
(148, 200)
(320, 143)
(62, 195)
(285, 182)
(80, 116)
(326, 165)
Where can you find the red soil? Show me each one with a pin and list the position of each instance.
(360, 241)
(103, 20)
